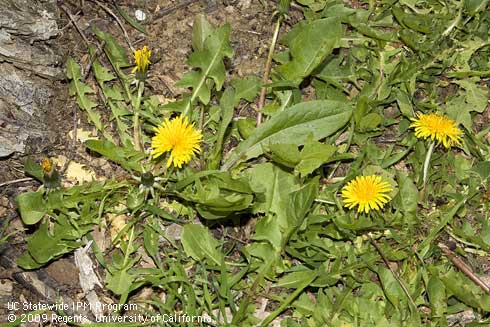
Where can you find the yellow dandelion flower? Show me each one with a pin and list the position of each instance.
(142, 60)
(369, 192)
(179, 137)
(47, 165)
(438, 127)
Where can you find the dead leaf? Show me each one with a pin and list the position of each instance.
(75, 172)
(82, 135)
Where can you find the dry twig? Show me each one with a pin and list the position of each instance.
(400, 281)
(74, 22)
(168, 10)
(121, 25)
(463, 267)
(15, 181)
(267, 69)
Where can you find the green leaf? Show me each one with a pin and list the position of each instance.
(119, 281)
(199, 244)
(298, 206)
(101, 73)
(408, 194)
(114, 51)
(361, 110)
(312, 43)
(272, 186)
(474, 98)
(465, 290)
(135, 199)
(246, 127)
(296, 279)
(437, 296)
(286, 155)
(404, 103)
(336, 71)
(201, 29)
(391, 287)
(482, 169)
(80, 90)
(475, 6)
(227, 107)
(372, 32)
(370, 122)
(286, 202)
(127, 158)
(419, 23)
(246, 88)
(208, 62)
(45, 245)
(296, 125)
(313, 155)
(150, 238)
(34, 169)
(25, 261)
(216, 194)
(267, 229)
(201, 89)
(31, 206)
(423, 247)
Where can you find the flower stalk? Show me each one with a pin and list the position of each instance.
(427, 161)
(440, 130)
(136, 118)
(142, 61)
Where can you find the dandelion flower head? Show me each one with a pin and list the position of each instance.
(179, 138)
(368, 192)
(438, 127)
(142, 60)
(47, 165)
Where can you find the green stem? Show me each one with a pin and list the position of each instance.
(267, 69)
(427, 161)
(453, 24)
(136, 118)
(288, 301)
(251, 294)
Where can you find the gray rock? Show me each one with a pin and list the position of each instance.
(29, 62)
(24, 101)
(34, 20)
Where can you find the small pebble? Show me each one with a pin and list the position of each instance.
(140, 15)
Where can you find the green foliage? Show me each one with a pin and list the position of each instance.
(258, 217)
(114, 51)
(210, 48)
(31, 207)
(307, 120)
(308, 47)
(304, 161)
(81, 91)
(216, 194)
(199, 244)
(127, 158)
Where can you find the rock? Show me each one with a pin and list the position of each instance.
(23, 25)
(64, 272)
(29, 62)
(23, 104)
(32, 19)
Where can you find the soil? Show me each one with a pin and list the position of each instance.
(169, 38)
